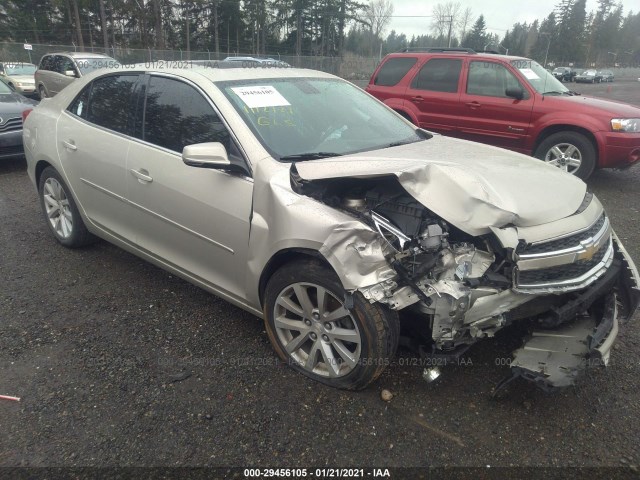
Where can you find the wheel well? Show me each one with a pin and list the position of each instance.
(40, 166)
(566, 128)
(282, 258)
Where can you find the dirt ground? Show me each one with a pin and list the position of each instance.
(120, 363)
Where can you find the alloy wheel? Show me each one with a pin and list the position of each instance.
(564, 156)
(317, 330)
(58, 208)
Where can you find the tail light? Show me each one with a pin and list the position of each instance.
(25, 113)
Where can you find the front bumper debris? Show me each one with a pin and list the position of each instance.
(556, 358)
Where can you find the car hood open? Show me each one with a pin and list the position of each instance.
(470, 185)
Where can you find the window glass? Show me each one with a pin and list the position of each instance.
(490, 79)
(176, 115)
(46, 63)
(79, 106)
(394, 70)
(299, 116)
(65, 64)
(20, 69)
(110, 101)
(439, 75)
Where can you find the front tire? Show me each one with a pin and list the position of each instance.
(314, 329)
(61, 212)
(569, 151)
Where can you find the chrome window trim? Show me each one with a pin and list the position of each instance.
(153, 145)
(234, 137)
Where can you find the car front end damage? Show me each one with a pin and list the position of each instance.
(570, 279)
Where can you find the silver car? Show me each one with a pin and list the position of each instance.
(303, 200)
(19, 77)
(57, 70)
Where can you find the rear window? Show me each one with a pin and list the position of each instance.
(393, 70)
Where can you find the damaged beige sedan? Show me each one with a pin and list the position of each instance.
(300, 198)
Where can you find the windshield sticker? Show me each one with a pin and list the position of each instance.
(529, 74)
(260, 96)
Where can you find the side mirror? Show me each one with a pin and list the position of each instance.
(69, 73)
(206, 155)
(514, 92)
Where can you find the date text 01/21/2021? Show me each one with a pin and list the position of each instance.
(316, 473)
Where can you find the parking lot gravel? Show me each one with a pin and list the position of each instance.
(120, 363)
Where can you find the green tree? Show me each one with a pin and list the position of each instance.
(477, 37)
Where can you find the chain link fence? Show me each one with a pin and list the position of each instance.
(350, 67)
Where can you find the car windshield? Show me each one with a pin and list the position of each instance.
(309, 118)
(589, 73)
(4, 89)
(88, 65)
(538, 77)
(20, 69)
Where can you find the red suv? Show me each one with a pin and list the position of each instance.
(509, 102)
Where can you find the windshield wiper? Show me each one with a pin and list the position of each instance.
(556, 92)
(310, 156)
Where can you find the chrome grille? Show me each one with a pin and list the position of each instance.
(562, 272)
(565, 264)
(11, 124)
(566, 242)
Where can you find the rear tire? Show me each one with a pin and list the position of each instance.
(61, 212)
(314, 329)
(570, 151)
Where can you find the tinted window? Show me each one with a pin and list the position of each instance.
(439, 75)
(64, 64)
(177, 115)
(110, 102)
(490, 79)
(394, 70)
(46, 63)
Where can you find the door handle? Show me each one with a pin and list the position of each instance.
(142, 175)
(417, 99)
(69, 145)
(473, 105)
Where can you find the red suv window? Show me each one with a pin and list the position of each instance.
(439, 75)
(394, 70)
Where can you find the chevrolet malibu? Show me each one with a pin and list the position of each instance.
(298, 197)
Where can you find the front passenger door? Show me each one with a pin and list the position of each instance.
(488, 115)
(195, 219)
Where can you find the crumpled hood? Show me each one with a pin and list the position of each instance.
(470, 185)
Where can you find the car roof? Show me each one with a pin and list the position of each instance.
(430, 52)
(225, 74)
(80, 54)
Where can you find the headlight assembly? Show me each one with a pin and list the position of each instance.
(625, 124)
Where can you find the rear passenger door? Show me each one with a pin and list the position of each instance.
(93, 138)
(434, 96)
(488, 115)
(195, 219)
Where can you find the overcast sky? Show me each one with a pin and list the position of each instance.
(409, 15)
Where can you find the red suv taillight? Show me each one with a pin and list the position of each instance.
(25, 113)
